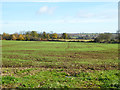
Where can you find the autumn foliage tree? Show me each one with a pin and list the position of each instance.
(54, 35)
(20, 37)
(6, 36)
(48, 36)
(13, 37)
(27, 38)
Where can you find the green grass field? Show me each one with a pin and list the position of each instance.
(42, 64)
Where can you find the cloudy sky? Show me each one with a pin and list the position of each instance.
(59, 17)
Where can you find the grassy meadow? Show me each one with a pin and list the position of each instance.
(44, 64)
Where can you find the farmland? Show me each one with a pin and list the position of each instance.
(44, 64)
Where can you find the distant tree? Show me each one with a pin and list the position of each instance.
(48, 36)
(44, 35)
(16, 35)
(40, 35)
(6, 36)
(106, 37)
(27, 37)
(64, 36)
(13, 37)
(34, 34)
(27, 33)
(20, 37)
(54, 35)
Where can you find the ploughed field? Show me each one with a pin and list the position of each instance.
(43, 64)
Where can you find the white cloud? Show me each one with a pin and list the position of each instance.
(43, 9)
(46, 10)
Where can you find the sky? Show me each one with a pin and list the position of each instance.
(59, 17)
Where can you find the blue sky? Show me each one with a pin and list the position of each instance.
(59, 17)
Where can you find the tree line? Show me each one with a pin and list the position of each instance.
(33, 36)
(108, 38)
